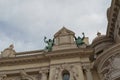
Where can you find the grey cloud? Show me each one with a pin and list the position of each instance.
(26, 22)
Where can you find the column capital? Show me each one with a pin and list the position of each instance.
(43, 71)
(86, 67)
(43, 74)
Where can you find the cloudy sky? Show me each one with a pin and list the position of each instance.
(24, 23)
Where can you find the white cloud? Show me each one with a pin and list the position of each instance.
(26, 22)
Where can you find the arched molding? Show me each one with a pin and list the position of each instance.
(101, 59)
(108, 63)
(65, 74)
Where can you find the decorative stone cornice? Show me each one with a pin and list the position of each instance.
(113, 14)
(28, 53)
(79, 52)
(27, 70)
(23, 60)
(39, 57)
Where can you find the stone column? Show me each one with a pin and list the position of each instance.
(88, 72)
(43, 75)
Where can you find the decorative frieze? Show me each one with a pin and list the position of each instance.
(69, 68)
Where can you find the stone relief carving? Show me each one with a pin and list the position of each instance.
(57, 71)
(8, 52)
(107, 69)
(112, 69)
(25, 76)
(71, 68)
(116, 62)
(3, 77)
(44, 74)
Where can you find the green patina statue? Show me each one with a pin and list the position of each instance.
(79, 40)
(49, 43)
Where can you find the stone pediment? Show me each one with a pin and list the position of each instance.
(64, 39)
(63, 32)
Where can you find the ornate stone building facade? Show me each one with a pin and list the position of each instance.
(69, 58)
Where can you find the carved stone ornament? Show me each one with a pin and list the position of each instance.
(8, 52)
(25, 76)
(70, 68)
(3, 77)
(112, 69)
(44, 73)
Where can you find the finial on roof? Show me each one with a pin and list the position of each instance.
(11, 46)
(98, 34)
(64, 27)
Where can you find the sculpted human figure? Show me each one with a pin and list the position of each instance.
(50, 44)
(79, 40)
(8, 52)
